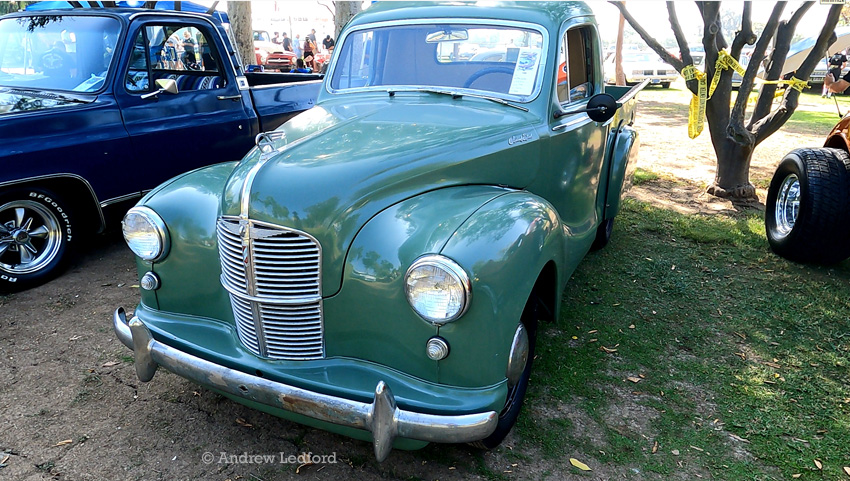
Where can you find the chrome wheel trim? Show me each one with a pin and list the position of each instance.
(33, 236)
(787, 205)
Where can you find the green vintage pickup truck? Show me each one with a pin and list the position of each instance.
(378, 265)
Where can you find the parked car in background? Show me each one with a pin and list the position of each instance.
(807, 211)
(380, 265)
(271, 55)
(94, 112)
(640, 66)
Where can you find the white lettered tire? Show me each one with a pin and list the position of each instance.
(36, 235)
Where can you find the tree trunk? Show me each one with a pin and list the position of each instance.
(243, 31)
(618, 53)
(732, 179)
(345, 10)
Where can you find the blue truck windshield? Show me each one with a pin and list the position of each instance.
(70, 53)
(502, 61)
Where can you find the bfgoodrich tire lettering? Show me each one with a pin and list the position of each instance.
(36, 234)
(808, 206)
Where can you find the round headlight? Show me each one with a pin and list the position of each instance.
(145, 233)
(438, 289)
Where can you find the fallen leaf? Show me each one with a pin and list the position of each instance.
(739, 334)
(819, 464)
(795, 476)
(243, 423)
(772, 364)
(607, 350)
(75, 338)
(846, 469)
(631, 326)
(655, 447)
(641, 376)
(575, 337)
(110, 364)
(3, 461)
(675, 452)
(739, 438)
(63, 443)
(580, 465)
(593, 331)
(698, 449)
(302, 466)
(633, 378)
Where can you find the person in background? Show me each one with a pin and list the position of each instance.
(300, 67)
(309, 51)
(836, 64)
(276, 38)
(287, 42)
(296, 46)
(328, 43)
(188, 51)
(312, 35)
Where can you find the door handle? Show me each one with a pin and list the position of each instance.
(229, 97)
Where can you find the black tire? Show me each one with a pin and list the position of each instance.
(516, 394)
(37, 229)
(807, 214)
(665, 85)
(603, 234)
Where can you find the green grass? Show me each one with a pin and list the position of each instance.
(732, 342)
(814, 122)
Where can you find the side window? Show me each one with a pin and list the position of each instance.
(179, 52)
(575, 66)
(138, 72)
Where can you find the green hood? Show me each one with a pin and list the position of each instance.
(340, 164)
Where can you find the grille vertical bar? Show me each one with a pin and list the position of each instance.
(273, 275)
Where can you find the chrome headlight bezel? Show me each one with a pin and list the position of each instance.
(454, 271)
(156, 231)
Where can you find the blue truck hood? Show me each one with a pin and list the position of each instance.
(339, 164)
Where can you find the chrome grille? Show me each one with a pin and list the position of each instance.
(273, 277)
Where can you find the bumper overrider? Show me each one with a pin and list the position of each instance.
(382, 417)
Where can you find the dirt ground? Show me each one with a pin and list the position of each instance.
(71, 407)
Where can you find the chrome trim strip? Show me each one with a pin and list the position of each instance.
(121, 198)
(381, 417)
(278, 301)
(63, 175)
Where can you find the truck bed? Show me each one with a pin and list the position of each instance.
(279, 96)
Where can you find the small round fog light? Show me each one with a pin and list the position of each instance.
(149, 282)
(437, 348)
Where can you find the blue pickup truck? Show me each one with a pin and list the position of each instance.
(100, 105)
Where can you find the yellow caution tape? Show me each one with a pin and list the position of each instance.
(696, 112)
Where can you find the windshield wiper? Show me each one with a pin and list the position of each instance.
(456, 95)
(49, 95)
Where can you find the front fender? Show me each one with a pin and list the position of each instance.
(189, 206)
(504, 247)
(370, 318)
(624, 152)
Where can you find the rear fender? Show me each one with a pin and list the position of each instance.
(625, 143)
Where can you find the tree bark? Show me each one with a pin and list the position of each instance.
(242, 27)
(344, 11)
(619, 75)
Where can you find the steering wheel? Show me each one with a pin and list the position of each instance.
(486, 71)
(53, 62)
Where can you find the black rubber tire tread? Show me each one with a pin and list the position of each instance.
(603, 234)
(821, 232)
(63, 211)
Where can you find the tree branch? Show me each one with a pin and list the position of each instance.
(657, 47)
(765, 99)
(745, 35)
(770, 124)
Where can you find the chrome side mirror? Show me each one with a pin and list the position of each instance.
(166, 85)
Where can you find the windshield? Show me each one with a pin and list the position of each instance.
(499, 61)
(70, 53)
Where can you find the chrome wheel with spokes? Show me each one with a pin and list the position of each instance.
(35, 236)
(30, 237)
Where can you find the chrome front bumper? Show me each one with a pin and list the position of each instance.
(382, 417)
